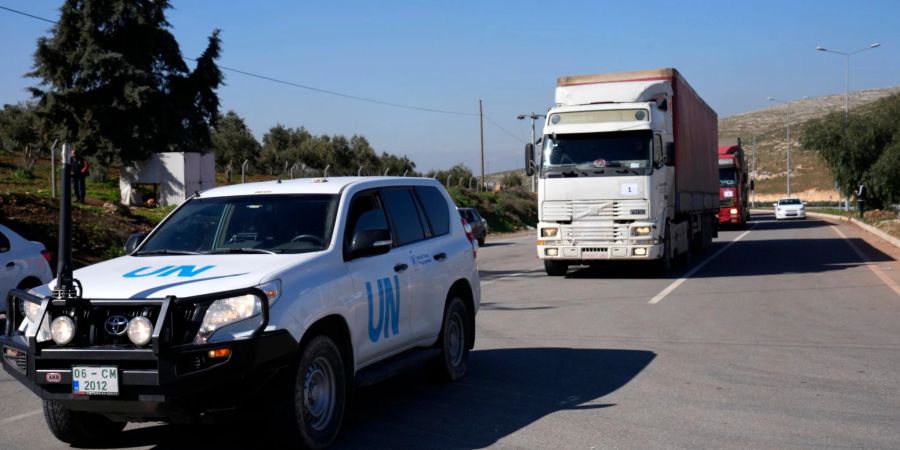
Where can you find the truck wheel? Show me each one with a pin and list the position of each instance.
(319, 393)
(80, 428)
(556, 268)
(453, 341)
(663, 265)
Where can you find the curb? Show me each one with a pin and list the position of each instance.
(869, 228)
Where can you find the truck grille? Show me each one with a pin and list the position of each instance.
(594, 234)
(726, 202)
(594, 210)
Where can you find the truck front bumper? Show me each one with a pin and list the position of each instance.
(567, 251)
(160, 382)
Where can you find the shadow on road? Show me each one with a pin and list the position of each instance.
(488, 244)
(504, 391)
(754, 257)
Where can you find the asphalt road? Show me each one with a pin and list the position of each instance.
(783, 336)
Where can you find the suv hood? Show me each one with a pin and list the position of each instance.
(181, 276)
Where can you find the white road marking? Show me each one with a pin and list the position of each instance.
(20, 417)
(668, 290)
(868, 262)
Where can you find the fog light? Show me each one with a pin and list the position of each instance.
(733, 211)
(640, 231)
(549, 232)
(640, 251)
(551, 251)
(62, 330)
(139, 330)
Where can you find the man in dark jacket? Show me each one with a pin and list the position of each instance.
(80, 169)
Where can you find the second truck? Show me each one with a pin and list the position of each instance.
(627, 170)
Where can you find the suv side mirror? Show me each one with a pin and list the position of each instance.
(775, 204)
(670, 154)
(133, 241)
(529, 159)
(370, 242)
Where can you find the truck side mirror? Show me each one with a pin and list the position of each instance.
(529, 159)
(670, 154)
(133, 241)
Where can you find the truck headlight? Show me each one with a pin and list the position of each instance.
(226, 312)
(733, 211)
(549, 232)
(62, 330)
(139, 330)
(640, 231)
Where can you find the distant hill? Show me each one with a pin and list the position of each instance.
(810, 178)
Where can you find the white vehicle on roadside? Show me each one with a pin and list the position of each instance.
(273, 296)
(790, 208)
(24, 264)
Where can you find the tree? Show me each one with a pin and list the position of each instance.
(455, 174)
(512, 180)
(865, 148)
(233, 143)
(19, 132)
(114, 84)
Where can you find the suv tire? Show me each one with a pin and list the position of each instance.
(80, 428)
(453, 342)
(319, 393)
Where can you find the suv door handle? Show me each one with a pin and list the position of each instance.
(11, 264)
(440, 256)
(400, 267)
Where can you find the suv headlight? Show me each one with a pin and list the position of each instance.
(227, 311)
(31, 310)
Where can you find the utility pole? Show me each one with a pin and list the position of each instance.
(481, 127)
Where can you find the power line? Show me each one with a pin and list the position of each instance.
(315, 89)
(27, 15)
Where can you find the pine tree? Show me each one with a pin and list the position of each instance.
(114, 84)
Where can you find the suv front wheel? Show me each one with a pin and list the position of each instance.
(319, 393)
(78, 427)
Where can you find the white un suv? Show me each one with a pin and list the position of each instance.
(301, 289)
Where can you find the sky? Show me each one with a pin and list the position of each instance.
(449, 55)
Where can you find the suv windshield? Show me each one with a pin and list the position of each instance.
(789, 201)
(246, 224)
(589, 154)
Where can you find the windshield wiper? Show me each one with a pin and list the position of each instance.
(166, 251)
(225, 251)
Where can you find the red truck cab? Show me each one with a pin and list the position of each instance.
(734, 187)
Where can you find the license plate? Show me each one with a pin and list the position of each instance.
(95, 380)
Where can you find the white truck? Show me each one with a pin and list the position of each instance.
(627, 170)
(274, 297)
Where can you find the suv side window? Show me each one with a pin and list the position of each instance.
(436, 210)
(406, 222)
(4, 243)
(365, 213)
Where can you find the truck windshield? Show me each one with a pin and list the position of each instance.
(246, 224)
(727, 177)
(590, 154)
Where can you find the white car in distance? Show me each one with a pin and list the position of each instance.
(790, 208)
(24, 264)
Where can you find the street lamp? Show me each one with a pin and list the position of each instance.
(847, 55)
(787, 125)
(534, 117)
